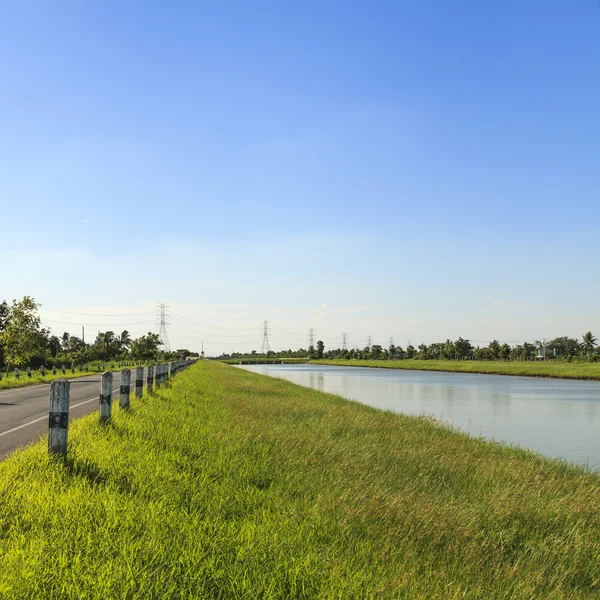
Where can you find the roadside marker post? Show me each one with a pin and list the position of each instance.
(58, 422)
(125, 388)
(139, 382)
(150, 378)
(158, 376)
(106, 397)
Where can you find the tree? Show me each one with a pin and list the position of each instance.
(3, 321)
(463, 348)
(65, 341)
(564, 346)
(589, 342)
(124, 339)
(146, 346)
(105, 340)
(376, 351)
(320, 349)
(54, 346)
(22, 337)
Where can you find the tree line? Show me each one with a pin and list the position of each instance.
(560, 348)
(25, 343)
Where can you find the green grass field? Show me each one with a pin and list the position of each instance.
(572, 370)
(10, 381)
(228, 484)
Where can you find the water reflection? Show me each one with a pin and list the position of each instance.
(557, 417)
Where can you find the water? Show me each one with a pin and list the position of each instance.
(557, 417)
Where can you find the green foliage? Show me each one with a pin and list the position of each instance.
(568, 370)
(145, 347)
(320, 349)
(22, 337)
(226, 484)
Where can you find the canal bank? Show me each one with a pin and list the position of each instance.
(557, 417)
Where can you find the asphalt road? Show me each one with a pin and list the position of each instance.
(24, 411)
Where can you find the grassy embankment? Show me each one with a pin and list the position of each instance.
(572, 370)
(227, 484)
(10, 381)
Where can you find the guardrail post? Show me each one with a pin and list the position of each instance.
(150, 379)
(106, 397)
(58, 422)
(125, 388)
(139, 382)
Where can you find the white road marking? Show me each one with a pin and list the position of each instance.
(46, 416)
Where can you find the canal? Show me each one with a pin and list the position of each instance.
(557, 417)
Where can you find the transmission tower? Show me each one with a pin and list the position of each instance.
(391, 342)
(369, 341)
(163, 313)
(344, 341)
(265, 343)
(311, 338)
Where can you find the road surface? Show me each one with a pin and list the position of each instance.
(24, 411)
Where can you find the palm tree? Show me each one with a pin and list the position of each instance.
(125, 339)
(589, 342)
(106, 339)
(65, 341)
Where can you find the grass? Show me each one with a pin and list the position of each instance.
(567, 370)
(228, 484)
(10, 381)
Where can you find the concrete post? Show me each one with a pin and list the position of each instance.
(43, 370)
(173, 369)
(63, 369)
(72, 368)
(158, 376)
(106, 385)
(150, 379)
(29, 372)
(125, 388)
(58, 422)
(139, 382)
(54, 370)
(17, 373)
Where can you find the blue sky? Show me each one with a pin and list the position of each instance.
(420, 170)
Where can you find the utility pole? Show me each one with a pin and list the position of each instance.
(265, 342)
(83, 333)
(163, 313)
(344, 341)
